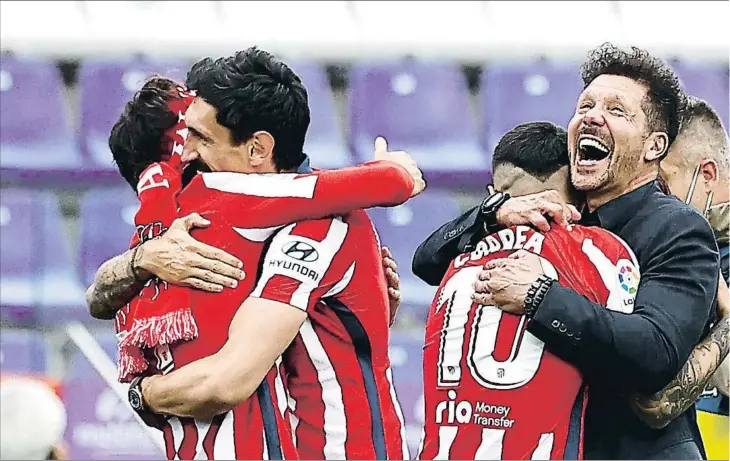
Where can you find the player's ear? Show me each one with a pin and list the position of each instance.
(261, 148)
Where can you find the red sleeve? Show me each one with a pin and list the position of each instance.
(305, 262)
(274, 200)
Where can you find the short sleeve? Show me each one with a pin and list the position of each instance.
(300, 265)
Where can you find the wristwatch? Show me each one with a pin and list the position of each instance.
(489, 207)
(135, 397)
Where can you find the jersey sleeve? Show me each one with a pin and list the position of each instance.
(273, 200)
(305, 262)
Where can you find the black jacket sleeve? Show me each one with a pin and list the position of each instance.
(646, 349)
(433, 255)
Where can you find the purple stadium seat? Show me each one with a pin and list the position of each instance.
(38, 280)
(512, 94)
(105, 88)
(709, 83)
(421, 107)
(406, 359)
(100, 425)
(404, 227)
(35, 127)
(325, 142)
(107, 225)
(22, 351)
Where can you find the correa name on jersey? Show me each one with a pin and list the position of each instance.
(507, 240)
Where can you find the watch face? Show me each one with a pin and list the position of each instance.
(135, 399)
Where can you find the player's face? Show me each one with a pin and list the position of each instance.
(210, 143)
(607, 136)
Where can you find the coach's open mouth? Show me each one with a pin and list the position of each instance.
(591, 150)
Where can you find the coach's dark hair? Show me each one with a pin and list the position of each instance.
(254, 91)
(665, 96)
(539, 148)
(136, 136)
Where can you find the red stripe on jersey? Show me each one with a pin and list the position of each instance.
(190, 439)
(169, 440)
(315, 230)
(280, 288)
(209, 440)
(248, 427)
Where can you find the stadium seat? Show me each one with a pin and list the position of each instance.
(512, 94)
(406, 359)
(404, 227)
(325, 142)
(105, 87)
(97, 416)
(707, 82)
(38, 282)
(107, 226)
(35, 128)
(421, 107)
(23, 352)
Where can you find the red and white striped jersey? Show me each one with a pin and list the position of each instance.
(245, 211)
(342, 400)
(491, 390)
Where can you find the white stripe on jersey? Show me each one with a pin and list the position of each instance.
(262, 185)
(326, 251)
(491, 446)
(293, 419)
(281, 395)
(202, 427)
(342, 284)
(399, 413)
(335, 419)
(224, 446)
(447, 435)
(544, 447)
(265, 454)
(177, 434)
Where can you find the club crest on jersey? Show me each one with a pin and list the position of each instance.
(149, 231)
(301, 251)
(628, 276)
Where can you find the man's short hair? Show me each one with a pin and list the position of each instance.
(254, 91)
(665, 95)
(538, 148)
(136, 137)
(703, 128)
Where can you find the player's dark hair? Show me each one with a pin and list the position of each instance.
(136, 136)
(254, 91)
(539, 148)
(665, 95)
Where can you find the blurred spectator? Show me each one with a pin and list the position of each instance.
(32, 420)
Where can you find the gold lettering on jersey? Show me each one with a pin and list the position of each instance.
(504, 240)
(464, 412)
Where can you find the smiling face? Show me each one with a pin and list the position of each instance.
(610, 144)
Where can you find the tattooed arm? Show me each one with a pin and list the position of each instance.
(721, 378)
(174, 257)
(661, 408)
(117, 281)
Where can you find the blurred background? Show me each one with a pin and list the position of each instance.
(443, 80)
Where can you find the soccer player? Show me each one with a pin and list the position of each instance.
(340, 372)
(219, 435)
(696, 170)
(491, 389)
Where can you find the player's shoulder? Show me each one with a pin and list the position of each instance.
(584, 237)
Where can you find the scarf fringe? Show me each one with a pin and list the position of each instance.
(148, 333)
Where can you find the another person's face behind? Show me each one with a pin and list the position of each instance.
(211, 145)
(608, 137)
(680, 177)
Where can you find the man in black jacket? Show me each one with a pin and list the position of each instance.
(626, 119)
